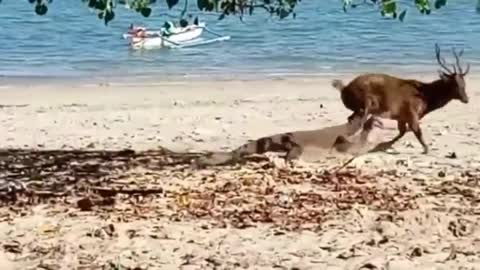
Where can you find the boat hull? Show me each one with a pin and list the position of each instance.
(158, 41)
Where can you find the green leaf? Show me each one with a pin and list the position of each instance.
(92, 3)
(423, 6)
(171, 4)
(109, 16)
(440, 3)
(146, 11)
(100, 4)
(401, 17)
(202, 4)
(41, 9)
(210, 6)
(221, 17)
(283, 13)
(389, 6)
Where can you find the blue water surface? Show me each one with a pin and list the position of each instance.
(70, 41)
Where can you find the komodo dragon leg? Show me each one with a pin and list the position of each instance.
(342, 144)
(293, 149)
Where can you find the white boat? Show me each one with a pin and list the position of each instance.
(141, 38)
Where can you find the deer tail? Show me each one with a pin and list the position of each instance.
(338, 84)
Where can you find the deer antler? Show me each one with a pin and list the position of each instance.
(457, 60)
(466, 70)
(441, 60)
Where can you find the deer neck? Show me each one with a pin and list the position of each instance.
(437, 94)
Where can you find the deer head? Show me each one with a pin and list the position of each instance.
(455, 78)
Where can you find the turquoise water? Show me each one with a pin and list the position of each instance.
(70, 41)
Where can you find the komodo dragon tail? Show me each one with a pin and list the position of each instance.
(338, 84)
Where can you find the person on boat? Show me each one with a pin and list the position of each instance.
(183, 23)
(137, 31)
(170, 28)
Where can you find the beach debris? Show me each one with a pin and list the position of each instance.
(244, 195)
(369, 266)
(451, 155)
(85, 204)
(90, 145)
(127, 186)
(12, 246)
(416, 252)
(104, 232)
(452, 255)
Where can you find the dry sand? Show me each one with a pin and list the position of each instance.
(438, 230)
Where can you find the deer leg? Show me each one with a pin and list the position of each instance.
(415, 127)
(371, 123)
(402, 129)
(355, 122)
(365, 112)
(362, 114)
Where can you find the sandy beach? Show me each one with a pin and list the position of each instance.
(395, 210)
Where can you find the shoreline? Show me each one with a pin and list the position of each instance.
(129, 80)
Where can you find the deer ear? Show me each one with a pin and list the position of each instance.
(443, 75)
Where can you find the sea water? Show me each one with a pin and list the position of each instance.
(71, 42)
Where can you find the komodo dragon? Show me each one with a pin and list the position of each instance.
(293, 144)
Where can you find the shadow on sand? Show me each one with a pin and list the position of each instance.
(54, 173)
(18, 164)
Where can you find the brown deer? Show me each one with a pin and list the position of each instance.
(404, 100)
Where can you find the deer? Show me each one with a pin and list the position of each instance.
(405, 100)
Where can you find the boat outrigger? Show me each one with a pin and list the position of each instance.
(171, 36)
